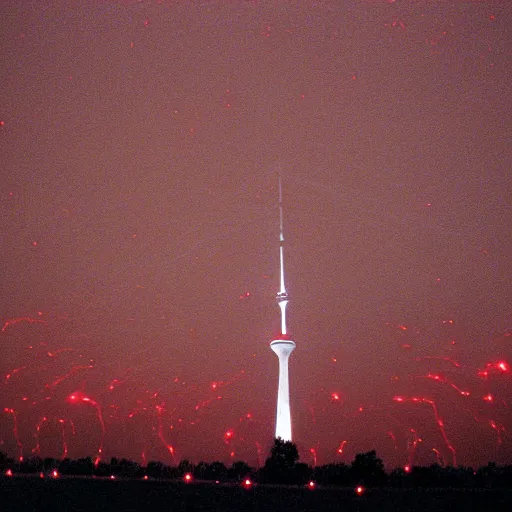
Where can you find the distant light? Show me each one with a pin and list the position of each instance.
(145, 477)
(41, 475)
(359, 490)
(247, 483)
(55, 474)
(8, 472)
(311, 484)
(407, 468)
(188, 477)
(112, 477)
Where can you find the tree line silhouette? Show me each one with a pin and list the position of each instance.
(281, 467)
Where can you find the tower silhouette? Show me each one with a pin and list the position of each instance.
(283, 346)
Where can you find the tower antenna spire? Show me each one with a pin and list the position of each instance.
(283, 346)
(282, 295)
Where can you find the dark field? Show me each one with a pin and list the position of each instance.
(20, 494)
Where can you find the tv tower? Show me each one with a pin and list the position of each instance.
(283, 346)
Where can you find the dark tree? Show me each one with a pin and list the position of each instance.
(239, 470)
(281, 464)
(333, 474)
(368, 469)
(283, 454)
(185, 466)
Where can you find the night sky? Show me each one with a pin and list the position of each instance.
(141, 143)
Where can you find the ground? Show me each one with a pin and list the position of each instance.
(80, 494)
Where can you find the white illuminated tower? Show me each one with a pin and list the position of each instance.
(283, 346)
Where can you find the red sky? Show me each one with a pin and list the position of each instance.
(140, 143)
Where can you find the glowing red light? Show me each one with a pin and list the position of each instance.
(503, 366)
(145, 477)
(335, 396)
(188, 477)
(112, 477)
(341, 447)
(55, 474)
(41, 475)
(407, 468)
(8, 472)
(359, 490)
(247, 483)
(489, 398)
(311, 485)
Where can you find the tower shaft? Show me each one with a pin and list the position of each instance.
(283, 346)
(283, 349)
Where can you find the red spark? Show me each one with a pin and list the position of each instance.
(187, 477)
(439, 457)
(311, 485)
(15, 431)
(64, 443)
(359, 490)
(498, 428)
(228, 436)
(441, 378)
(438, 418)
(37, 449)
(62, 378)
(8, 472)
(13, 372)
(247, 483)
(77, 397)
(313, 453)
(15, 321)
(341, 447)
(161, 436)
(503, 366)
